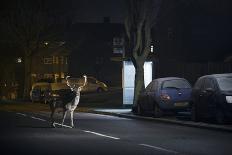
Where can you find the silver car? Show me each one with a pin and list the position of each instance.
(93, 85)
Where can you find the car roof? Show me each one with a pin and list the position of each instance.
(58, 86)
(40, 84)
(216, 75)
(168, 78)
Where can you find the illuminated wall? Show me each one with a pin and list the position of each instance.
(128, 77)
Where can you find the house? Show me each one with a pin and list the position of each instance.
(50, 63)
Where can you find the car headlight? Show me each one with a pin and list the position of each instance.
(229, 99)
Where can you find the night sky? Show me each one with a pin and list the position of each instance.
(206, 16)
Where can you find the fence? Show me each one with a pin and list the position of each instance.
(190, 71)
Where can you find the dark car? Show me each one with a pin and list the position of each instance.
(212, 98)
(165, 94)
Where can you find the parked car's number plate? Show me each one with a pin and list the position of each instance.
(181, 104)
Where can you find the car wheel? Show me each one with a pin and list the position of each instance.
(194, 114)
(99, 90)
(157, 111)
(220, 117)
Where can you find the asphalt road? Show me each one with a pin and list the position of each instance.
(30, 133)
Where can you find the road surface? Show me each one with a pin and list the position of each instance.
(31, 133)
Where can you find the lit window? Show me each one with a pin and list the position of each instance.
(66, 60)
(55, 60)
(48, 60)
(152, 49)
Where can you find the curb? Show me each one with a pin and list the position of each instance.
(168, 121)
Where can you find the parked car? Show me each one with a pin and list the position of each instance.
(58, 92)
(212, 98)
(165, 94)
(40, 91)
(93, 85)
(37, 91)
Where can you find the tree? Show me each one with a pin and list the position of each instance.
(27, 25)
(30, 24)
(140, 19)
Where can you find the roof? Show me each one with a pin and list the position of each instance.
(217, 75)
(168, 78)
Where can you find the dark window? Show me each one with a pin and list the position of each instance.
(176, 84)
(91, 80)
(209, 83)
(199, 84)
(225, 83)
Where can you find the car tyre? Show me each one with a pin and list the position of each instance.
(99, 90)
(194, 114)
(220, 117)
(140, 110)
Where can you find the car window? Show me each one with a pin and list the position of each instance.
(199, 84)
(209, 83)
(176, 83)
(225, 83)
(45, 87)
(90, 80)
(37, 88)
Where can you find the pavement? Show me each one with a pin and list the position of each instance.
(179, 120)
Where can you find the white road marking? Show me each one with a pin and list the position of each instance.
(99, 134)
(159, 148)
(63, 125)
(38, 119)
(21, 114)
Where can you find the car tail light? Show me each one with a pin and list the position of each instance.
(165, 97)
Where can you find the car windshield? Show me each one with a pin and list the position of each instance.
(176, 84)
(225, 83)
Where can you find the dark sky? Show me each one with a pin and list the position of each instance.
(91, 11)
(94, 10)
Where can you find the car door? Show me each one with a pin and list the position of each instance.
(205, 96)
(196, 95)
(91, 85)
(150, 95)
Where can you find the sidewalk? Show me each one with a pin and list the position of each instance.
(126, 113)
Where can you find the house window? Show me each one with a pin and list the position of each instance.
(48, 60)
(66, 60)
(55, 60)
(62, 60)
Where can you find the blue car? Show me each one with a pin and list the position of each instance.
(165, 94)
